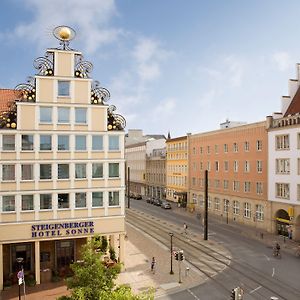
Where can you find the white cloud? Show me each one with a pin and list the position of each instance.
(165, 107)
(90, 18)
(234, 70)
(282, 60)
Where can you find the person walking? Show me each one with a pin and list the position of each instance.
(185, 228)
(153, 265)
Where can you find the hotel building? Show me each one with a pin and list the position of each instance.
(62, 166)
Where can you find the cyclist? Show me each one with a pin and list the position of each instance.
(276, 249)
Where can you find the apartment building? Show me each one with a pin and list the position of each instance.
(284, 163)
(62, 166)
(177, 170)
(236, 160)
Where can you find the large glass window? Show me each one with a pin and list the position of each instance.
(283, 166)
(27, 202)
(63, 201)
(80, 170)
(45, 142)
(63, 88)
(63, 171)
(8, 142)
(97, 199)
(259, 212)
(113, 198)
(63, 143)
(113, 142)
(80, 142)
(45, 114)
(27, 142)
(97, 170)
(8, 203)
(45, 201)
(113, 170)
(282, 142)
(80, 200)
(45, 171)
(63, 114)
(80, 116)
(27, 172)
(97, 142)
(283, 190)
(247, 210)
(8, 172)
(236, 207)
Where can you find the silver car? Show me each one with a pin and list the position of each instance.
(166, 205)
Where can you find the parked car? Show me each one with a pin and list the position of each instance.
(148, 199)
(165, 205)
(138, 197)
(157, 202)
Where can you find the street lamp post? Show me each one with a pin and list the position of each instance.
(227, 209)
(171, 253)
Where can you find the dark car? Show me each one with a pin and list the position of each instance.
(157, 202)
(138, 197)
(165, 205)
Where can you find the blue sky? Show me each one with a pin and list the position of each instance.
(170, 65)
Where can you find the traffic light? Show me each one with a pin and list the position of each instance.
(181, 255)
(233, 294)
(176, 255)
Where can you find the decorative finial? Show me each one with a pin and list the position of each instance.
(64, 34)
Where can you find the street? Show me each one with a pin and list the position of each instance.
(248, 264)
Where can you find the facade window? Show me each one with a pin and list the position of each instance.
(235, 147)
(235, 166)
(283, 190)
(63, 171)
(236, 207)
(8, 142)
(225, 184)
(201, 166)
(216, 149)
(113, 142)
(217, 203)
(259, 212)
(45, 201)
(247, 210)
(201, 200)
(247, 166)
(282, 166)
(97, 199)
(63, 143)
(27, 202)
(217, 183)
(80, 142)
(298, 192)
(194, 150)
(8, 203)
(225, 205)
(259, 166)
(97, 142)
(63, 114)
(113, 170)
(201, 150)
(27, 142)
(225, 148)
(247, 186)
(80, 200)
(45, 142)
(259, 188)
(113, 198)
(282, 142)
(80, 171)
(258, 145)
(246, 146)
(63, 201)
(27, 172)
(80, 116)
(208, 149)
(209, 202)
(45, 115)
(236, 186)
(8, 172)
(45, 171)
(63, 88)
(226, 166)
(97, 170)
(217, 166)
(208, 166)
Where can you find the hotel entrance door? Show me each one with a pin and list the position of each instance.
(64, 253)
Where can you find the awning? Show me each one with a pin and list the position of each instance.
(283, 220)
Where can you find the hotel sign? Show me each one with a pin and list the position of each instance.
(62, 229)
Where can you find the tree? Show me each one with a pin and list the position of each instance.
(93, 280)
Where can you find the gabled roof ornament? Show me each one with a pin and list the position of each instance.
(64, 34)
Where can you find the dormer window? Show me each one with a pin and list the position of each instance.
(63, 88)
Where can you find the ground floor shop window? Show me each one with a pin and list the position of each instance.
(21, 251)
(64, 253)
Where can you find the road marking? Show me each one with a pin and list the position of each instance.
(267, 257)
(255, 289)
(193, 294)
(273, 273)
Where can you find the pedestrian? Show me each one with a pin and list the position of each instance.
(290, 232)
(185, 228)
(153, 264)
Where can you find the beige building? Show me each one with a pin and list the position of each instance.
(236, 160)
(177, 170)
(62, 166)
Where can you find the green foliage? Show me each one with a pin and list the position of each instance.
(112, 253)
(104, 244)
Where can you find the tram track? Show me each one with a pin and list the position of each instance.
(210, 261)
